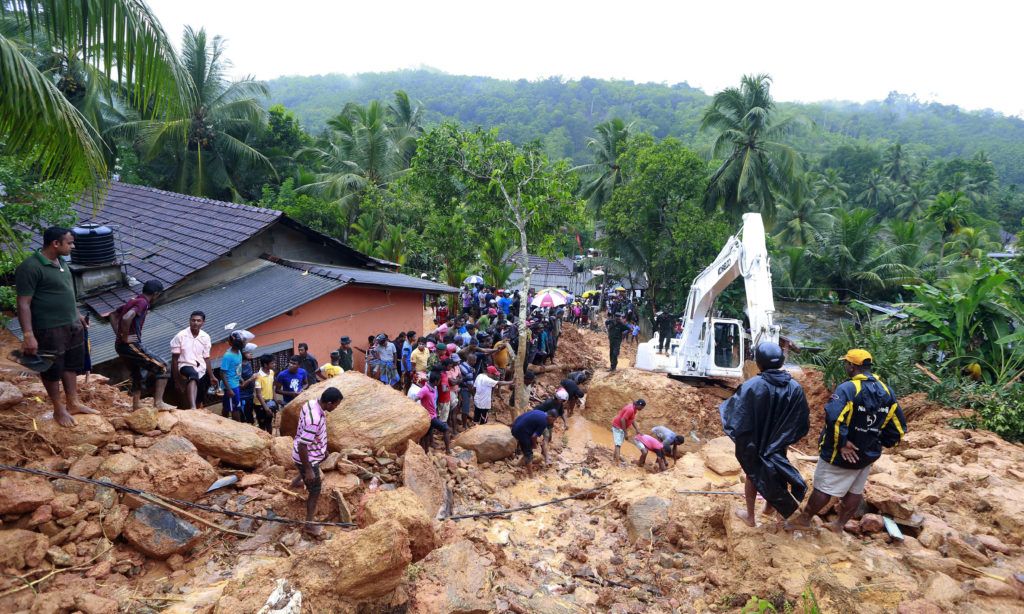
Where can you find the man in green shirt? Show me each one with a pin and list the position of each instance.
(345, 354)
(50, 321)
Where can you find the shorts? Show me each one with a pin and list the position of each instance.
(231, 403)
(443, 409)
(466, 398)
(838, 481)
(437, 425)
(137, 358)
(248, 406)
(190, 373)
(618, 435)
(66, 344)
(312, 487)
(526, 444)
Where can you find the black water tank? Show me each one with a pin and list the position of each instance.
(94, 244)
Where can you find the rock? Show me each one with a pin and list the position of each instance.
(113, 521)
(942, 589)
(420, 476)
(646, 515)
(20, 548)
(918, 606)
(491, 442)
(20, 496)
(994, 588)
(85, 466)
(344, 483)
(995, 544)
(331, 462)
(871, 523)
(94, 604)
(165, 421)
(720, 456)
(119, 467)
(966, 552)
(281, 450)
(172, 468)
(159, 533)
(91, 429)
(403, 506)
(464, 579)
(42, 515)
(359, 564)
(235, 443)
(142, 420)
(10, 395)
(371, 416)
(59, 557)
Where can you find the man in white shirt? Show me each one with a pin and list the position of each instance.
(482, 398)
(190, 360)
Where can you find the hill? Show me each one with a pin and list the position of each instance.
(562, 113)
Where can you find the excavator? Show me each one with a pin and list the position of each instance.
(713, 347)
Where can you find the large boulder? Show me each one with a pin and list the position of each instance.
(720, 456)
(281, 451)
(159, 533)
(119, 467)
(464, 579)
(173, 468)
(372, 415)
(359, 564)
(645, 516)
(10, 395)
(942, 590)
(20, 548)
(491, 442)
(403, 506)
(420, 476)
(20, 496)
(235, 443)
(91, 429)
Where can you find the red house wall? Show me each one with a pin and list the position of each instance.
(354, 311)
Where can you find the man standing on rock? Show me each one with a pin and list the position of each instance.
(483, 386)
(190, 360)
(310, 449)
(127, 321)
(616, 328)
(768, 414)
(527, 429)
(621, 423)
(862, 416)
(50, 322)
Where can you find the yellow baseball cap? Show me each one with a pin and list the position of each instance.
(857, 357)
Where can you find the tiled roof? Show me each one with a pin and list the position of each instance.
(368, 277)
(230, 306)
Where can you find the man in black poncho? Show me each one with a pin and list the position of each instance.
(766, 415)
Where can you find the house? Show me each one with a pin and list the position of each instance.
(245, 268)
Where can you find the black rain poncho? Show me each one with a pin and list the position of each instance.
(767, 414)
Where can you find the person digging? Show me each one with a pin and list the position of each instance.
(649, 443)
(768, 414)
(310, 449)
(621, 423)
(861, 418)
(527, 430)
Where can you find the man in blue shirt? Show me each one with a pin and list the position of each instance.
(289, 382)
(527, 429)
(504, 304)
(407, 370)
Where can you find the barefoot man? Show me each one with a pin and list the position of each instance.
(310, 449)
(768, 414)
(861, 417)
(50, 322)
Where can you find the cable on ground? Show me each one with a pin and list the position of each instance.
(529, 507)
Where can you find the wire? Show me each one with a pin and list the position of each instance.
(529, 507)
(136, 491)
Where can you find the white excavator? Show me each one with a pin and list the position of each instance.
(716, 347)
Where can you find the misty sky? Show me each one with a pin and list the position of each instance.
(963, 53)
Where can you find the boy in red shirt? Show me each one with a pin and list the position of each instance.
(623, 421)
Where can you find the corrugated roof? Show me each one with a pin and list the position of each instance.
(239, 303)
(368, 277)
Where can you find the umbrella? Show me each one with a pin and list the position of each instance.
(619, 289)
(549, 297)
(590, 293)
(473, 280)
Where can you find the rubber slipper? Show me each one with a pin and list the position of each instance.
(35, 362)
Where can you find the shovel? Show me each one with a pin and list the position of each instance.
(36, 362)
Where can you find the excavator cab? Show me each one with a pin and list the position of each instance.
(725, 348)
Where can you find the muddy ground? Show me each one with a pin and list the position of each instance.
(636, 545)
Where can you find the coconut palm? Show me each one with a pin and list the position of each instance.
(756, 165)
(914, 200)
(799, 214)
(406, 122)
(971, 245)
(877, 193)
(792, 267)
(917, 239)
(603, 174)
(497, 266)
(831, 188)
(896, 164)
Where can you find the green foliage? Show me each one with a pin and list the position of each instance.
(894, 355)
(991, 407)
(317, 214)
(654, 223)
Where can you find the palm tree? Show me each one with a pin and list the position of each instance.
(406, 121)
(916, 239)
(972, 244)
(896, 164)
(877, 193)
(949, 212)
(607, 144)
(494, 252)
(831, 188)
(360, 153)
(800, 214)
(121, 39)
(914, 201)
(755, 165)
(204, 154)
(793, 268)
(850, 257)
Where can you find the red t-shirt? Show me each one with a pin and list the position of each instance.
(444, 395)
(625, 418)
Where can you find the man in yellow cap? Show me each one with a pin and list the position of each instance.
(861, 417)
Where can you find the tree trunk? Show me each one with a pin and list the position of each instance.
(520, 367)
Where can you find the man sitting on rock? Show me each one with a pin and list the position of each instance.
(768, 414)
(862, 416)
(310, 449)
(527, 429)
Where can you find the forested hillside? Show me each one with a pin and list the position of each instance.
(563, 114)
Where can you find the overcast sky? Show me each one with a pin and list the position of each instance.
(954, 52)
